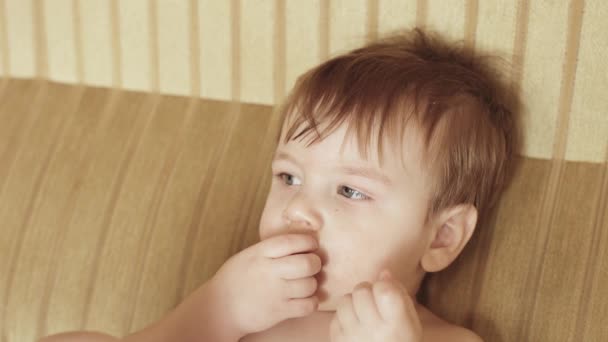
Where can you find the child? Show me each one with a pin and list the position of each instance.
(387, 157)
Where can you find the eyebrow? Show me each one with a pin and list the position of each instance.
(361, 171)
(367, 172)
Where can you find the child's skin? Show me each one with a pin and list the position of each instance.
(327, 233)
(364, 226)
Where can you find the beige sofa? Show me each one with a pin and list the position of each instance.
(115, 204)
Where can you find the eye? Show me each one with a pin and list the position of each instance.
(345, 191)
(352, 193)
(288, 179)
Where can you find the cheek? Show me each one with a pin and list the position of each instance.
(360, 254)
(271, 221)
(352, 254)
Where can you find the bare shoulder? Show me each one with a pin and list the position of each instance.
(79, 336)
(437, 329)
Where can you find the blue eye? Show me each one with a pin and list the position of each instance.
(345, 191)
(352, 193)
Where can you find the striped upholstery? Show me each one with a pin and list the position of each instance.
(252, 51)
(115, 205)
(135, 138)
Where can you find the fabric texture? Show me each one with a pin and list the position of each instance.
(114, 205)
(136, 137)
(253, 51)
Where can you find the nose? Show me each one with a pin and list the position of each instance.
(301, 213)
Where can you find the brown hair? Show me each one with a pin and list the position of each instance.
(456, 97)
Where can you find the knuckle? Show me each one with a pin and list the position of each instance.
(363, 285)
(361, 289)
(305, 306)
(302, 287)
(300, 241)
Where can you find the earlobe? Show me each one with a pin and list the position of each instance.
(455, 228)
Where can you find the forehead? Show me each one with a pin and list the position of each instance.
(342, 145)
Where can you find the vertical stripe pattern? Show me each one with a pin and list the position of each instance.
(470, 20)
(123, 190)
(195, 52)
(4, 56)
(421, 13)
(324, 30)
(77, 23)
(549, 209)
(154, 62)
(40, 41)
(116, 47)
(280, 58)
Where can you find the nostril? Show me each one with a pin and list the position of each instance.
(298, 225)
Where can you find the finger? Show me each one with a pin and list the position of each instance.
(335, 329)
(346, 313)
(365, 304)
(300, 307)
(297, 266)
(386, 275)
(287, 244)
(408, 300)
(301, 288)
(389, 300)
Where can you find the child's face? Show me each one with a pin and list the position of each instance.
(314, 192)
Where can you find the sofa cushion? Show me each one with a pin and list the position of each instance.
(114, 205)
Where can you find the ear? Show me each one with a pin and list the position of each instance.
(451, 231)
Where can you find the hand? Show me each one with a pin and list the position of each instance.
(382, 312)
(269, 282)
